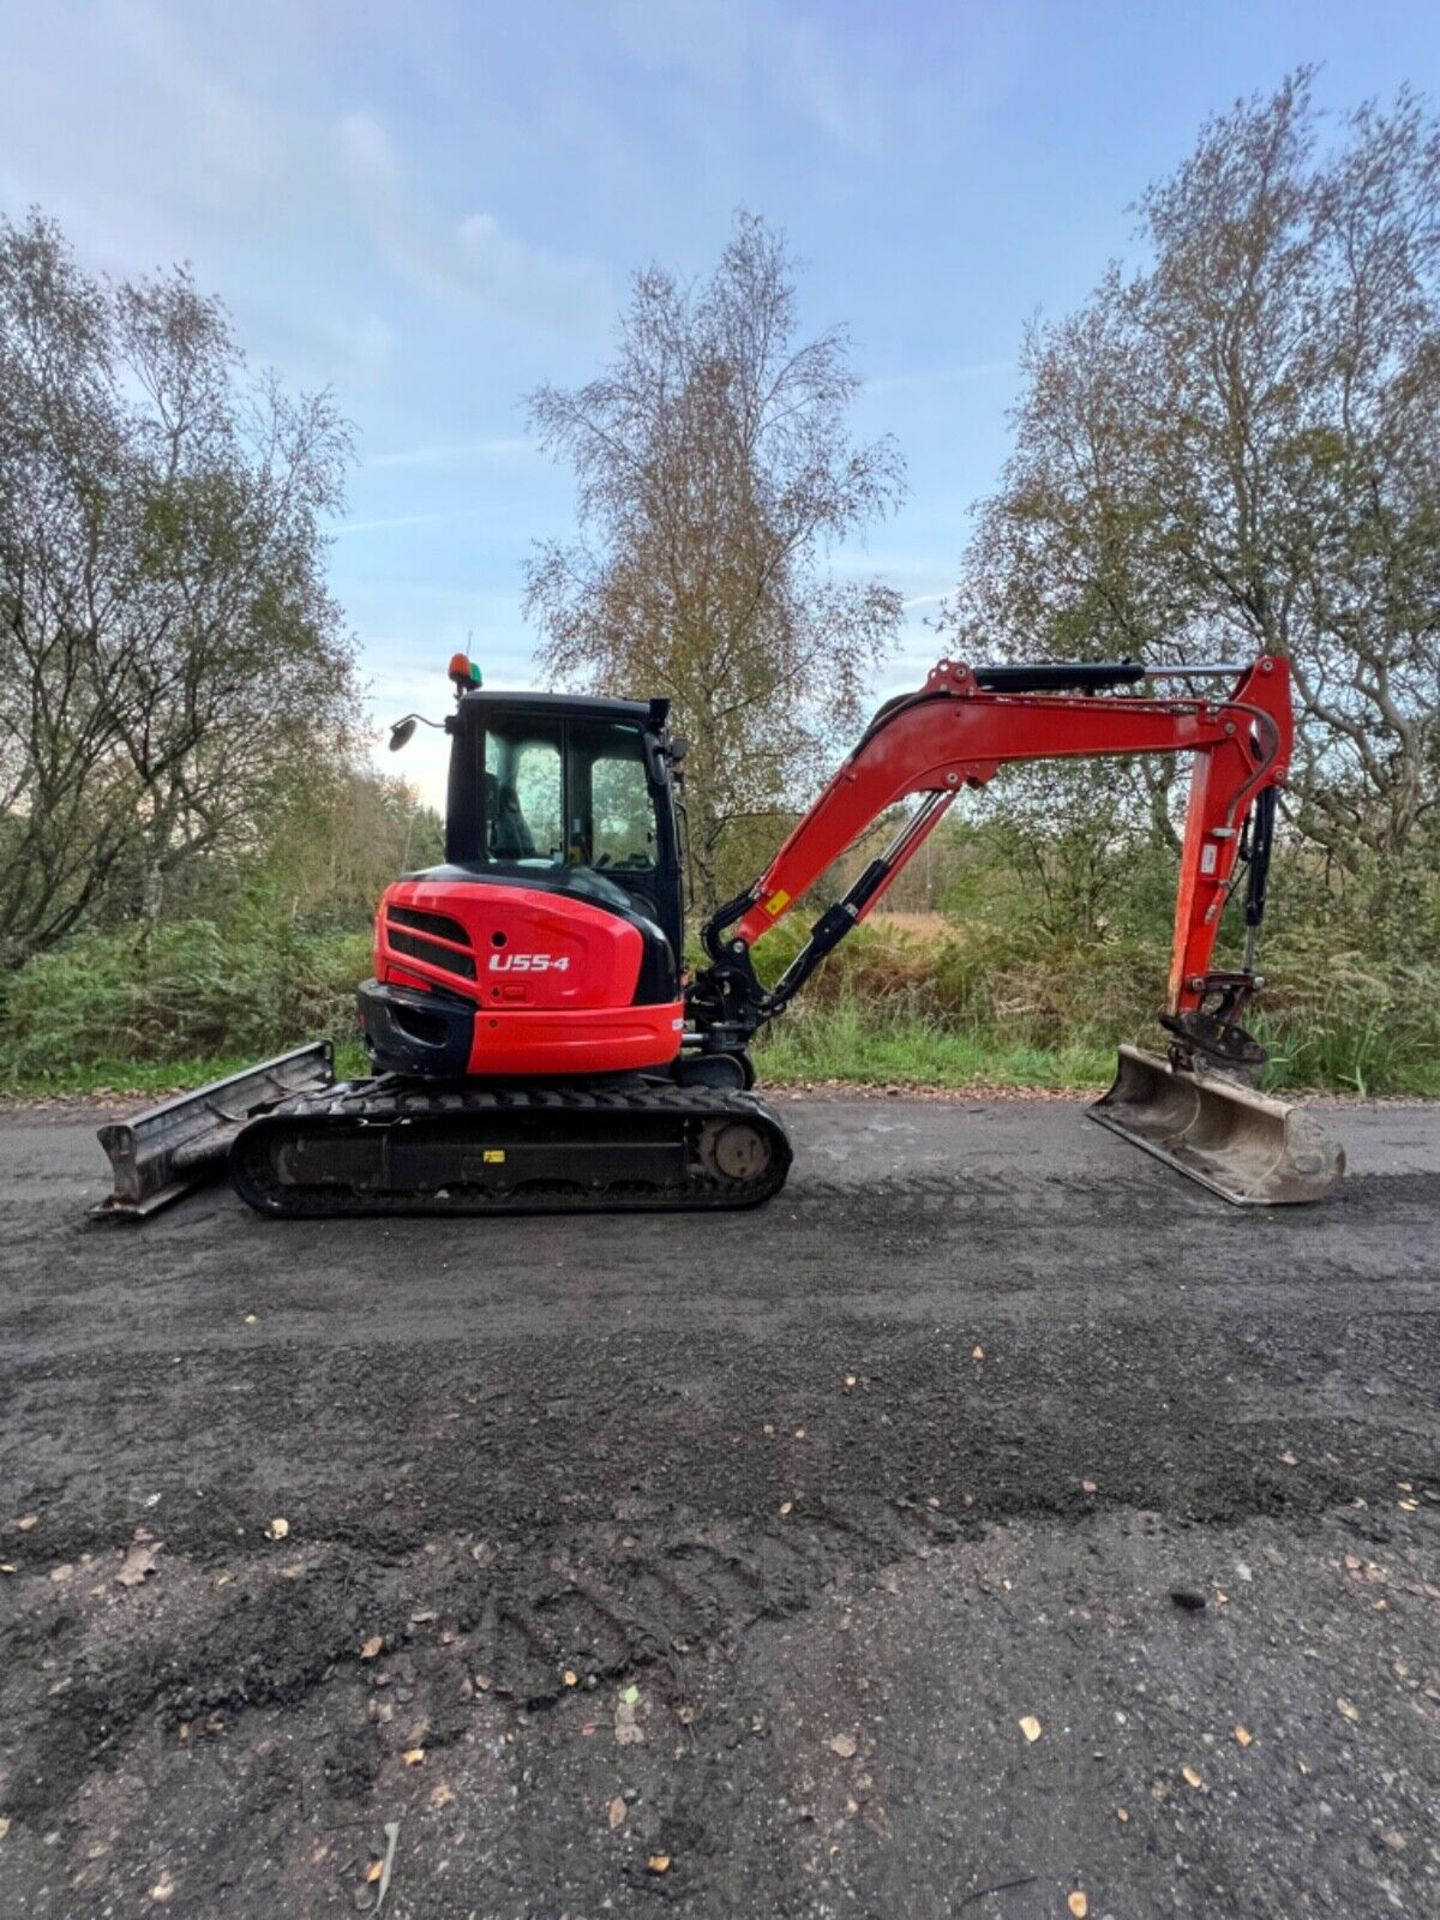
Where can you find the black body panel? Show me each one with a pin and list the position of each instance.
(1060, 676)
(425, 1034)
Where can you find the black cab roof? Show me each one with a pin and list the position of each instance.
(473, 707)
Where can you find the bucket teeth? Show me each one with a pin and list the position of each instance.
(1241, 1144)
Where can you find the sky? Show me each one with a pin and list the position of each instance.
(431, 208)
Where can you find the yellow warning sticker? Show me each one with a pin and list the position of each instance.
(777, 902)
(494, 1156)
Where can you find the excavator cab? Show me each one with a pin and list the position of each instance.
(570, 791)
(550, 941)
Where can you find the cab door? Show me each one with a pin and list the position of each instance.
(622, 821)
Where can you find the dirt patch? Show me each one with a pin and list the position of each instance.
(742, 1547)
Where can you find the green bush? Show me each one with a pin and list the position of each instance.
(179, 992)
(969, 1004)
(1005, 1004)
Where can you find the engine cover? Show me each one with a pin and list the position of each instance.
(542, 979)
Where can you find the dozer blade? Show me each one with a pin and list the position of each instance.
(1246, 1147)
(169, 1149)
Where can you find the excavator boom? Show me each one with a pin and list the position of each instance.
(956, 733)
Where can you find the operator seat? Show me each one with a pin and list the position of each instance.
(510, 835)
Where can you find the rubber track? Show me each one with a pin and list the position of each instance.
(550, 1115)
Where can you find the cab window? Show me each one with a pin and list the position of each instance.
(572, 793)
(524, 793)
(620, 829)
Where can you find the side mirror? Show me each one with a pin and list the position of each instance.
(401, 732)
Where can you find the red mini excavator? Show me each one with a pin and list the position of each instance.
(537, 1045)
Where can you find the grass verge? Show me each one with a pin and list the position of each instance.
(844, 1042)
(132, 1079)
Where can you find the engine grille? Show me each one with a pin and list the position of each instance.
(435, 950)
(439, 924)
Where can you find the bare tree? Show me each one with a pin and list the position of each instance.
(715, 471)
(167, 646)
(1238, 448)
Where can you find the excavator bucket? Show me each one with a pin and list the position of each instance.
(1248, 1148)
(169, 1149)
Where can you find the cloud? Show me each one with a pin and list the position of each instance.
(707, 38)
(940, 376)
(916, 568)
(230, 141)
(923, 600)
(363, 347)
(739, 47)
(344, 527)
(513, 276)
(473, 261)
(142, 138)
(367, 153)
(454, 454)
(809, 74)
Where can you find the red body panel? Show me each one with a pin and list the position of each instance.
(587, 1040)
(553, 978)
(517, 946)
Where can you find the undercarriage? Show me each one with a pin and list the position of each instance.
(404, 1146)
